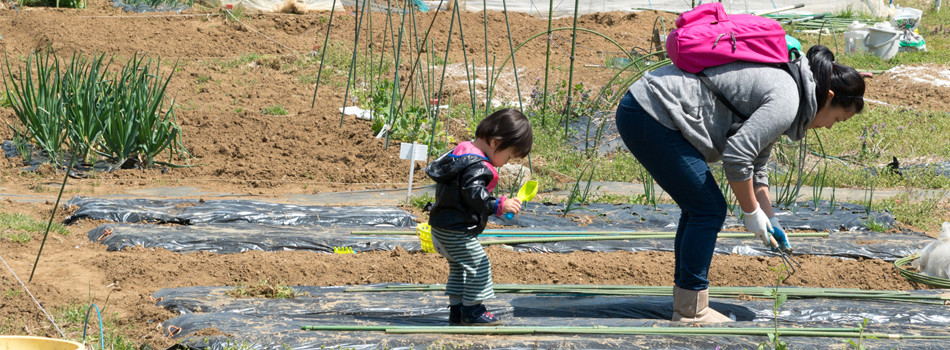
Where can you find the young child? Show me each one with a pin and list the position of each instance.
(465, 178)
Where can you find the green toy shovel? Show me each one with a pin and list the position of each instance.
(526, 193)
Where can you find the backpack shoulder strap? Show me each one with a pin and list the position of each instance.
(722, 98)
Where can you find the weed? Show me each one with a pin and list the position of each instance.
(859, 345)
(72, 312)
(12, 293)
(872, 224)
(235, 345)
(422, 200)
(274, 110)
(242, 60)
(263, 289)
(236, 14)
(200, 79)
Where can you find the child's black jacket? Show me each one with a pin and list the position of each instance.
(462, 199)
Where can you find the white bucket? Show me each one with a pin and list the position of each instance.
(883, 42)
(854, 38)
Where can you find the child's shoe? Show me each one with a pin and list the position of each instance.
(478, 315)
(455, 314)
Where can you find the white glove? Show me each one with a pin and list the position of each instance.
(757, 223)
(775, 224)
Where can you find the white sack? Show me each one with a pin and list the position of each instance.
(935, 257)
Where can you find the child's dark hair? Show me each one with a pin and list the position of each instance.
(511, 127)
(846, 82)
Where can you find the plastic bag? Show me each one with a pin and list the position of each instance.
(935, 257)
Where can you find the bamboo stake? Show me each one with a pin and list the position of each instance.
(72, 161)
(547, 62)
(570, 77)
(323, 54)
(387, 28)
(847, 332)
(445, 63)
(392, 106)
(418, 57)
(487, 74)
(724, 234)
(505, 62)
(514, 64)
(469, 82)
(356, 45)
(715, 292)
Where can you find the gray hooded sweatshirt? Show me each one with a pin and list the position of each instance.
(768, 94)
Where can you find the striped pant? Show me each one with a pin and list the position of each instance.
(469, 268)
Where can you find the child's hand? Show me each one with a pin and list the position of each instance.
(511, 205)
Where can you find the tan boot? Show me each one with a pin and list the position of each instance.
(693, 306)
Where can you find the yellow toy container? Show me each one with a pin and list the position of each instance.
(425, 237)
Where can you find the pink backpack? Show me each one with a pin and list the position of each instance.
(706, 36)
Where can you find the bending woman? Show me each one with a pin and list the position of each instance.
(674, 126)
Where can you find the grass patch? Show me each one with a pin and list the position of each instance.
(20, 228)
(12, 293)
(274, 110)
(924, 213)
(242, 60)
(263, 289)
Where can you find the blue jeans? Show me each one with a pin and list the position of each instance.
(682, 172)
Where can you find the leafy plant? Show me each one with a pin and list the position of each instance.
(412, 124)
(83, 110)
(775, 341)
(37, 102)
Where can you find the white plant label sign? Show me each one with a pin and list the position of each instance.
(413, 152)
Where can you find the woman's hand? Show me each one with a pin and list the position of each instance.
(758, 223)
(778, 232)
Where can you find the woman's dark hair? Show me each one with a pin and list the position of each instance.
(846, 82)
(511, 127)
